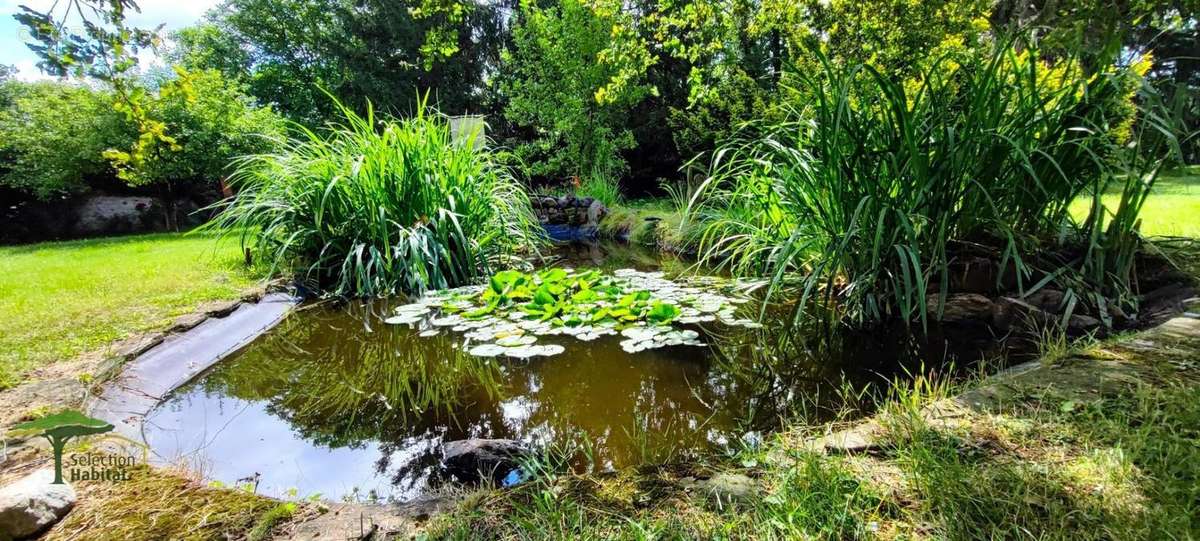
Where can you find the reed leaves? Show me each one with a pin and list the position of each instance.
(865, 189)
(376, 206)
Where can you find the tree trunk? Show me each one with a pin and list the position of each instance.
(57, 445)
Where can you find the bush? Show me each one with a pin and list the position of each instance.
(59, 138)
(603, 189)
(366, 211)
(863, 191)
(53, 135)
(213, 121)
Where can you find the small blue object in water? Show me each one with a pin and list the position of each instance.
(515, 476)
(569, 233)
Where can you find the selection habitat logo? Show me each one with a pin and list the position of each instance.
(60, 428)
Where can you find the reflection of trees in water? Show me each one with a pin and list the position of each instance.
(341, 378)
(778, 373)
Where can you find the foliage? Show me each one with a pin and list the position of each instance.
(375, 207)
(156, 504)
(53, 135)
(60, 299)
(716, 116)
(901, 38)
(62, 138)
(603, 189)
(212, 122)
(106, 51)
(285, 51)
(1172, 211)
(864, 191)
(1113, 234)
(560, 84)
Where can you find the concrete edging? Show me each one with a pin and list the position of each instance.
(162, 364)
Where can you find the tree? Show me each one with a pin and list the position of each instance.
(59, 428)
(570, 83)
(212, 122)
(290, 52)
(53, 136)
(106, 51)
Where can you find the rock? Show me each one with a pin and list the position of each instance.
(863, 438)
(33, 504)
(596, 211)
(222, 308)
(1046, 299)
(727, 487)
(960, 308)
(135, 347)
(1081, 324)
(972, 274)
(1009, 313)
(476, 459)
(1120, 319)
(187, 322)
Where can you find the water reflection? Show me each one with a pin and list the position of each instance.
(336, 403)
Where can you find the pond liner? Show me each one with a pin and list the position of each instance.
(571, 233)
(148, 379)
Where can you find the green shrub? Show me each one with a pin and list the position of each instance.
(864, 190)
(213, 121)
(53, 135)
(367, 210)
(602, 188)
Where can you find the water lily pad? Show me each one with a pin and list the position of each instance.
(516, 341)
(548, 350)
(447, 321)
(403, 320)
(639, 334)
(487, 350)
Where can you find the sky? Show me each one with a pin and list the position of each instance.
(175, 14)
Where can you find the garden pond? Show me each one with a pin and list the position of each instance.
(352, 401)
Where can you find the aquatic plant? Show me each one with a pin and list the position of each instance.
(508, 314)
(378, 206)
(863, 193)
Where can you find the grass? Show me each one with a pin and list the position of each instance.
(61, 299)
(867, 189)
(602, 188)
(1173, 208)
(375, 206)
(1061, 458)
(158, 505)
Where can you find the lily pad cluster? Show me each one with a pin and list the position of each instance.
(507, 316)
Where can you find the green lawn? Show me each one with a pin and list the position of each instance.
(60, 299)
(1172, 210)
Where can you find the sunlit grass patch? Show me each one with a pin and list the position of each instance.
(1173, 208)
(157, 505)
(61, 299)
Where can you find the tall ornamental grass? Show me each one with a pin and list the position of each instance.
(374, 206)
(869, 186)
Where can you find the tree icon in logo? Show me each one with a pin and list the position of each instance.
(61, 427)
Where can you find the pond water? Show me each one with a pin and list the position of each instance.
(336, 403)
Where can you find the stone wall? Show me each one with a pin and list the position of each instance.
(568, 217)
(92, 215)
